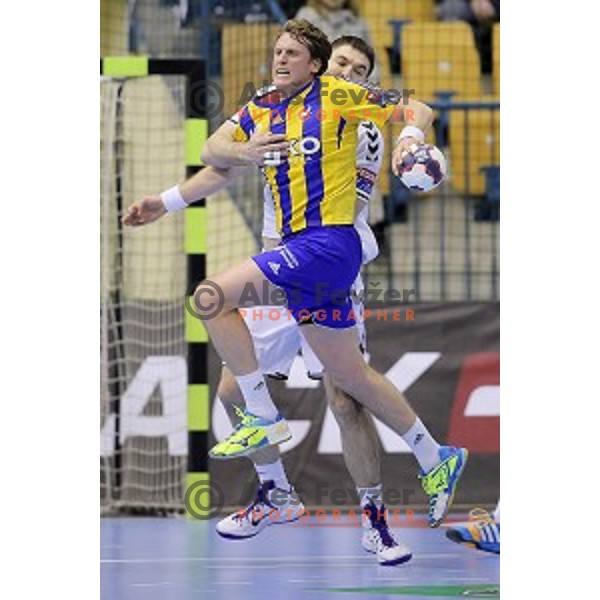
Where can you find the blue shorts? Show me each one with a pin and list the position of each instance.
(316, 268)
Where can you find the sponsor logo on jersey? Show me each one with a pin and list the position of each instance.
(304, 146)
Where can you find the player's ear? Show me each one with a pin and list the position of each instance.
(315, 65)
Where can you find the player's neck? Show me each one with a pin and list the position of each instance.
(295, 88)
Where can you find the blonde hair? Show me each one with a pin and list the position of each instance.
(312, 37)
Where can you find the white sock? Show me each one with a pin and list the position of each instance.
(273, 472)
(370, 494)
(256, 394)
(423, 446)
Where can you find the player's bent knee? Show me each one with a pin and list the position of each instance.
(349, 381)
(345, 409)
(209, 300)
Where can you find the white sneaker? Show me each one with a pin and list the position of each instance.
(272, 506)
(379, 540)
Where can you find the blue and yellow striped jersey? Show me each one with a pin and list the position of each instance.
(315, 185)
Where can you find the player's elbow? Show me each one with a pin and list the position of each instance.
(429, 116)
(415, 112)
(216, 154)
(207, 156)
(422, 114)
(427, 112)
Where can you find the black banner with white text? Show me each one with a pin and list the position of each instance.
(445, 359)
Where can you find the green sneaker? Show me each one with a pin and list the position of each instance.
(440, 483)
(251, 434)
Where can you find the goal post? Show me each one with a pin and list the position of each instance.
(155, 402)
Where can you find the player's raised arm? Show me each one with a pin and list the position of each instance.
(204, 183)
(415, 114)
(369, 103)
(418, 118)
(365, 102)
(225, 149)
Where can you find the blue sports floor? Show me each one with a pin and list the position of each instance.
(178, 559)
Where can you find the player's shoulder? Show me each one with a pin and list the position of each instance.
(267, 96)
(371, 91)
(239, 116)
(264, 91)
(341, 81)
(263, 97)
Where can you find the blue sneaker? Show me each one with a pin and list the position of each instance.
(482, 533)
(440, 483)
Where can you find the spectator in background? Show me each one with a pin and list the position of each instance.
(481, 15)
(291, 7)
(335, 18)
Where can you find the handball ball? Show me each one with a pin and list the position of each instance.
(423, 167)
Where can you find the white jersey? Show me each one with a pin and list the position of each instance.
(369, 155)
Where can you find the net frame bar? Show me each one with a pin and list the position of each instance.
(195, 227)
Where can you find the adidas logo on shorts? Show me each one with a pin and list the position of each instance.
(275, 267)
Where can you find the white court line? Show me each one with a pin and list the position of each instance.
(155, 584)
(274, 559)
(231, 559)
(275, 566)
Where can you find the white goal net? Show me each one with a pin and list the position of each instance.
(143, 279)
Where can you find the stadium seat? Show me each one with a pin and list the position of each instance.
(488, 208)
(246, 58)
(113, 28)
(482, 130)
(496, 58)
(385, 19)
(440, 57)
(379, 14)
(437, 57)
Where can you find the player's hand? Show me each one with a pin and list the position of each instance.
(144, 211)
(483, 10)
(404, 146)
(264, 148)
